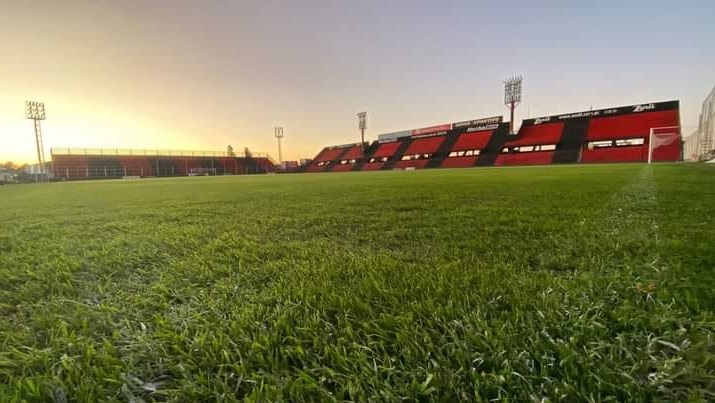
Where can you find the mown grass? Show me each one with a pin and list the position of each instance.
(579, 283)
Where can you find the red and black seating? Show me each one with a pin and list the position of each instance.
(330, 157)
(419, 152)
(88, 164)
(626, 137)
(534, 145)
(466, 150)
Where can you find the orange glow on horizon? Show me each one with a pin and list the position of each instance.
(202, 75)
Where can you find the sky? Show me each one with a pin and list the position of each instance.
(179, 74)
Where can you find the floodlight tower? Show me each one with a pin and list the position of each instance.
(278, 132)
(362, 125)
(512, 97)
(35, 111)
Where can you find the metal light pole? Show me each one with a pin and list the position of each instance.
(278, 132)
(35, 111)
(362, 125)
(512, 97)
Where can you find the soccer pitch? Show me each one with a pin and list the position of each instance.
(560, 282)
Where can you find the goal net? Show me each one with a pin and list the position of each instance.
(661, 137)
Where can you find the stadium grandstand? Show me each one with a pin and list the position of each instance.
(635, 133)
(82, 163)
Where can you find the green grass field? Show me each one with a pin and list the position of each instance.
(560, 283)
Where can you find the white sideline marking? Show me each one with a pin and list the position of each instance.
(632, 208)
(627, 217)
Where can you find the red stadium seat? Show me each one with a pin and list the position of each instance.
(371, 166)
(636, 125)
(411, 164)
(353, 153)
(531, 158)
(117, 165)
(387, 149)
(618, 134)
(70, 166)
(459, 162)
(549, 133)
(632, 125)
(315, 168)
(331, 155)
(616, 154)
(472, 141)
(342, 168)
(428, 145)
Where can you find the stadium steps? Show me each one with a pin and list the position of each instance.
(443, 151)
(253, 165)
(368, 154)
(303, 168)
(493, 149)
(173, 166)
(337, 159)
(105, 167)
(572, 138)
(390, 164)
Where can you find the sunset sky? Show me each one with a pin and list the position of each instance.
(204, 74)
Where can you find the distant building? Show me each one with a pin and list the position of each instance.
(691, 146)
(7, 175)
(36, 169)
(701, 144)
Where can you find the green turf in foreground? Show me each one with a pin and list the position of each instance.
(577, 283)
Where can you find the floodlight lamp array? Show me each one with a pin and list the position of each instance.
(362, 120)
(512, 90)
(35, 110)
(278, 131)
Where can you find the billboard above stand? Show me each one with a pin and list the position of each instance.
(621, 110)
(394, 136)
(432, 130)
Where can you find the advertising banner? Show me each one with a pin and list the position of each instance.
(344, 146)
(432, 130)
(388, 137)
(621, 110)
(494, 120)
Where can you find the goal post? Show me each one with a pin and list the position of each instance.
(661, 136)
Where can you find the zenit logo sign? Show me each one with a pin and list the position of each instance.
(641, 108)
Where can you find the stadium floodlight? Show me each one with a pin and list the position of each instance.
(362, 125)
(512, 97)
(278, 133)
(35, 111)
